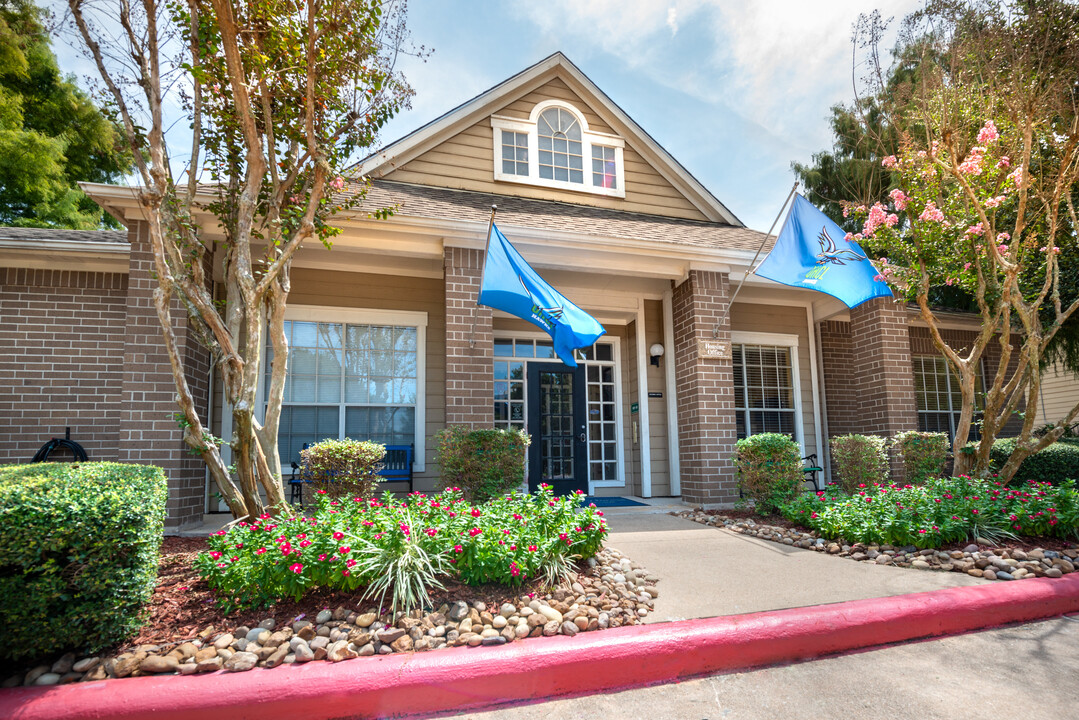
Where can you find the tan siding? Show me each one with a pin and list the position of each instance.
(1060, 393)
(630, 396)
(747, 317)
(657, 407)
(390, 292)
(466, 162)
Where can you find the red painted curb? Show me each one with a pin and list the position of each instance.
(461, 679)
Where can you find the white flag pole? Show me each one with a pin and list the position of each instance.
(753, 263)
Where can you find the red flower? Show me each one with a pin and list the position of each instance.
(260, 551)
(531, 548)
(345, 549)
(296, 568)
(476, 512)
(346, 573)
(458, 549)
(350, 563)
(215, 555)
(338, 535)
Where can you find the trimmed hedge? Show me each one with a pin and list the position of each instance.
(924, 454)
(1054, 464)
(483, 463)
(78, 554)
(343, 468)
(859, 460)
(769, 468)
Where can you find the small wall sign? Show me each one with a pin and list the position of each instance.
(655, 394)
(713, 350)
(635, 407)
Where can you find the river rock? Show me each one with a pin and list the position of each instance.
(241, 662)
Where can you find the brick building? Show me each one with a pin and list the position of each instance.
(388, 342)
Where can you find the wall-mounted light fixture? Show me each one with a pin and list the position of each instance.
(656, 351)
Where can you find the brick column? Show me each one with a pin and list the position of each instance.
(469, 343)
(706, 431)
(149, 434)
(881, 370)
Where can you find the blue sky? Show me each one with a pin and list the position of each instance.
(735, 89)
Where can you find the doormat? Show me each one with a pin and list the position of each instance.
(611, 501)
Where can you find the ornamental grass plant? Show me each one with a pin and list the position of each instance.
(401, 548)
(941, 511)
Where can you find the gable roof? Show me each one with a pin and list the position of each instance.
(426, 201)
(456, 120)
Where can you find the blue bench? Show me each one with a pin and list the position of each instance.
(396, 467)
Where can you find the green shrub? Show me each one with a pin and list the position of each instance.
(401, 547)
(343, 468)
(941, 511)
(483, 463)
(1054, 464)
(859, 460)
(923, 453)
(769, 467)
(79, 553)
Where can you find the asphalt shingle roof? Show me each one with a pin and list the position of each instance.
(34, 234)
(448, 204)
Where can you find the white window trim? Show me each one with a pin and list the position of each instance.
(588, 139)
(787, 341)
(365, 316)
(619, 428)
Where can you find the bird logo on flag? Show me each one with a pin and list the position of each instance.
(829, 254)
(548, 316)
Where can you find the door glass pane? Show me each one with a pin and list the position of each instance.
(556, 426)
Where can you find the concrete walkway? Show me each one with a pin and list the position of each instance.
(1028, 671)
(705, 571)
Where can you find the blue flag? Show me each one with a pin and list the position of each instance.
(812, 252)
(510, 284)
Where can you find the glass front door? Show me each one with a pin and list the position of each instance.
(556, 402)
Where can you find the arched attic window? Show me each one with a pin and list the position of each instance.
(555, 148)
(560, 152)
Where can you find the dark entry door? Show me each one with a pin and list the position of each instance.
(556, 421)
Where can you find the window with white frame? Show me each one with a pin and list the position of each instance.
(359, 375)
(551, 147)
(511, 356)
(765, 389)
(515, 153)
(939, 397)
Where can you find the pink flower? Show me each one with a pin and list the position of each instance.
(338, 183)
(1004, 236)
(458, 549)
(344, 549)
(305, 543)
(296, 568)
(474, 532)
(1016, 176)
(988, 133)
(346, 573)
(215, 555)
(973, 163)
(975, 230)
(899, 198)
(1004, 163)
(338, 535)
(260, 551)
(889, 162)
(476, 512)
(350, 562)
(531, 548)
(931, 213)
(994, 201)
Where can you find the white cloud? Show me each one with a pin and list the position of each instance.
(672, 20)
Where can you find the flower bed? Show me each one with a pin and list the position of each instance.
(1015, 560)
(401, 548)
(941, 511)
(187, 633)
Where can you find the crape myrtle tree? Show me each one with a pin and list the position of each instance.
(279, 95)
(984, 187)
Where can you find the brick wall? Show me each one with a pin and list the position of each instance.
(148, 432)
(469, 342)
(881, 372)
(61, 360)
(842, 396)
(706, 432)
